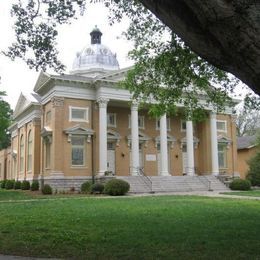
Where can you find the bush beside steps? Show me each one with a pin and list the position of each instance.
(239, 184)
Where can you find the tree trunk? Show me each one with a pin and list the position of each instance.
(224, 32)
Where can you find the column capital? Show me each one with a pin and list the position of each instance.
(213, 114)
(102, 102)
(134, 105)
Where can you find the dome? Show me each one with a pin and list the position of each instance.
(95, 56)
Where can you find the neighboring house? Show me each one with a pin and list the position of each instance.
(82, 124)
(246, 149)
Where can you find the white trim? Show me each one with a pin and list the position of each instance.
(168, 124)
(225, 124)
(108, 124)
(139, 117)
(182, 129)
(86, 109)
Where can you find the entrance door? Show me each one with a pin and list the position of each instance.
(111, 158)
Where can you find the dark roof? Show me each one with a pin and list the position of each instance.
(245, 142)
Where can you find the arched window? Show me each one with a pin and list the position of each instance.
(21, 168)
(29, 151)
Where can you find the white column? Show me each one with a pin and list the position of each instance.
(102, 135)
(214, 144)
(135, 140)
(164, 147)
(190, 148)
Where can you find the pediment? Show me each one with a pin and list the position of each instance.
(142, 137)
(113, 135)
(115, 76)
(21, 104)
(43, 77)
(78, 130)
(224, 139)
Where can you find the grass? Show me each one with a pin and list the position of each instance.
(163, 227)
(251, 193)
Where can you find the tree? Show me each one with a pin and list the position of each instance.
(160, 60)
(247, 122)
(226, 33)
(5, 121)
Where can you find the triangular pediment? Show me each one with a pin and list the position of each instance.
(22, 103)
(224, 139)
(113, 135)
(43, 78)
(115, 76)
(78, 130)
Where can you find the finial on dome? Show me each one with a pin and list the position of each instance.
(96, 36)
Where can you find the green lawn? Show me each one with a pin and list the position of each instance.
(163, 227)
(251, 193)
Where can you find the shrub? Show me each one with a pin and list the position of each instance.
(17, 185)
(254, 170)
(25, 185)
(86, 187)
(35, 185)
(46, 189)
(97, 188)
(3, 182)
(9, 184)
(239, 184)
(116, 187)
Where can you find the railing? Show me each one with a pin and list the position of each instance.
(146, 179)
(207, 184)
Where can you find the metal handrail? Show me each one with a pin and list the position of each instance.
(145, 178)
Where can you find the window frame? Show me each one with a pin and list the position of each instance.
(225, 124)
(183, 129)
(21, 158)
(48, 116)
(224, 154)
(78, 146)
(86, 119)
(47, 155)
(114, 115)
(168, 123)
(29, 151)
(139, 117)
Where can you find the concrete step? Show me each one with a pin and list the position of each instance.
(143, 184)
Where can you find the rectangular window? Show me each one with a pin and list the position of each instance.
(183, 125)
(77, 151)
(221, 126)
(111, 119)
(140, 121)
(222, 156)
(78, 114)
(47, 155)
(168, 124)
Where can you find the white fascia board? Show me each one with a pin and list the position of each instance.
(113, 94)
(69, 92)
(29, 117)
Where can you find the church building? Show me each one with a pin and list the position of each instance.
(81, 125)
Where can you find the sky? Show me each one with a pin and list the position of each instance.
(16, 77)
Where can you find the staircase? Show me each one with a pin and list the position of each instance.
(151, 184)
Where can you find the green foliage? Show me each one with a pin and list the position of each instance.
(17, 185)
(25, 185)
(3, 182)
(239, 184)
(46, 189)
(116, 187)
(97, 188)
(5, 122)
(36, 31)
(35, 185)
(86, 187)
(166, 70)
(9, 184)
(254, 170)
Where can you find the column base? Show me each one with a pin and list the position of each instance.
(164, 173)
(215, 174)
(101, 173)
